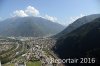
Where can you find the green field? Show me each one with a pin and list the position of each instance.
(8, 65)
(35, 63)
(30, 63)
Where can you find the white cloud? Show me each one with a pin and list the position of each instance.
(51, 18)
(19, 13)
(29, 11)
(72, 19)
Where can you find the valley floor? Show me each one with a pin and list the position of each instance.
(27, 51)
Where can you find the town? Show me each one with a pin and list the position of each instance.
(27, 51)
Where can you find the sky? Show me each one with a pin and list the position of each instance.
(60, 11)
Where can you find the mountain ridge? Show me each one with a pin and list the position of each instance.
(29, 26)
(82, 42)
(76, 24)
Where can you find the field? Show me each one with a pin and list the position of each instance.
(35, 63)
(30, 63)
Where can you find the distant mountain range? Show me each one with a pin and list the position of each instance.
(29, 27)
(79, 22)
(82, 42)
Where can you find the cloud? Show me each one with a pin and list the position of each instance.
(51, 18)
(29, 11)
(72, 19)
(32, 11)
(19, 13)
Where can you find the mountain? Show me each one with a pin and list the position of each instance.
(84, 42)
(29, 27)
(79, 22)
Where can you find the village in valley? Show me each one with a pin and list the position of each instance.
(26, 51)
